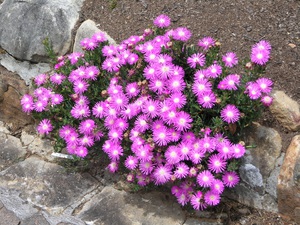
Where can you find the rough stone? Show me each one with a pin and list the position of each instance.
(56, 19)
(268, 145)
(26, 138)
(286, 111)
(3, 128)
(46, 185)
(26, 70)
(11, 150)
(288, 188)
(37, 219)
(118, 207)
(251, 175)
(41, 147)
(271, 184)
(86, 30)
(8, 217)
(10, 108)
(193, 221)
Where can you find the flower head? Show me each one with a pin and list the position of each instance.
(230, 114)
(45, 127)
(162, 21)
(230, 59)
(182, 34)
(162, 174)
(196, 59)
(205, 178)
(212, 198)
(230, 179)
(206, 42)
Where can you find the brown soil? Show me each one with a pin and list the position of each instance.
(237, 25)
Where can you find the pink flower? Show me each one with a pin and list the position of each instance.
(182, 34)
(131, 162)
(99, 109)
(142, 123)
(183, 121)
(72, 138)
(146, 167)
(225, 149)
(207, 144)
(143, 152)
(207, 99)
(115, 152)
(132, 90)
(157, 85)
(80, 86)
(99, 37)
(267, 100)
(57, 78)
(184, 149)
(206, 43)
(162, 174)
(214, 70)
(86, 140)
(164, 70)
(56, 99)
(212, 198)
(161, 136)
(230, 114)
(216, 164)
(113, 166)
(172, 155)
(181, 171)
(230, 59)
(176, 100)
(162, 21)
(197, 201)
(91, 73)
(176, 84)
(150, 108)
(217, 186)
(40, 105)
(45, 127)
(27, 98)
(230, 179)
(74, 57)
(183, 198)
(132, 59)
(253, 90)
(80, 111)
(81, 151)
(119, 101)
(196, 59)
(230, 82)
(196, 156)
(109, 50)
(263, 45)
(40, 79)
(260, 56)
(264, 84)
(28, 107)
(87, 126)
(201, 85)
(115, 135)
(238, 150)
(205, 178)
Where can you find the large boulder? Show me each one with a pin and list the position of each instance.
(25, 24)
(289, 182)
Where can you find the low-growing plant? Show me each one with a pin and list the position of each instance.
(164, 111)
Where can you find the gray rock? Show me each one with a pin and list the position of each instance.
(26, 138)
(86, 30)
(193, 221)
(37, 219)
(3, 128)
(25, 24)
(271, 184)
(11, 150)
(251, 175)
(120, 208)
(286, 111)
(46, 185)
(268, 145)
(40, 147)
(8, 217)
(26, 70)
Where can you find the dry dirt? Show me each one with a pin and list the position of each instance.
(237, 25)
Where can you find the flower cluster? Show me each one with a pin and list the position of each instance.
(168, 112)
